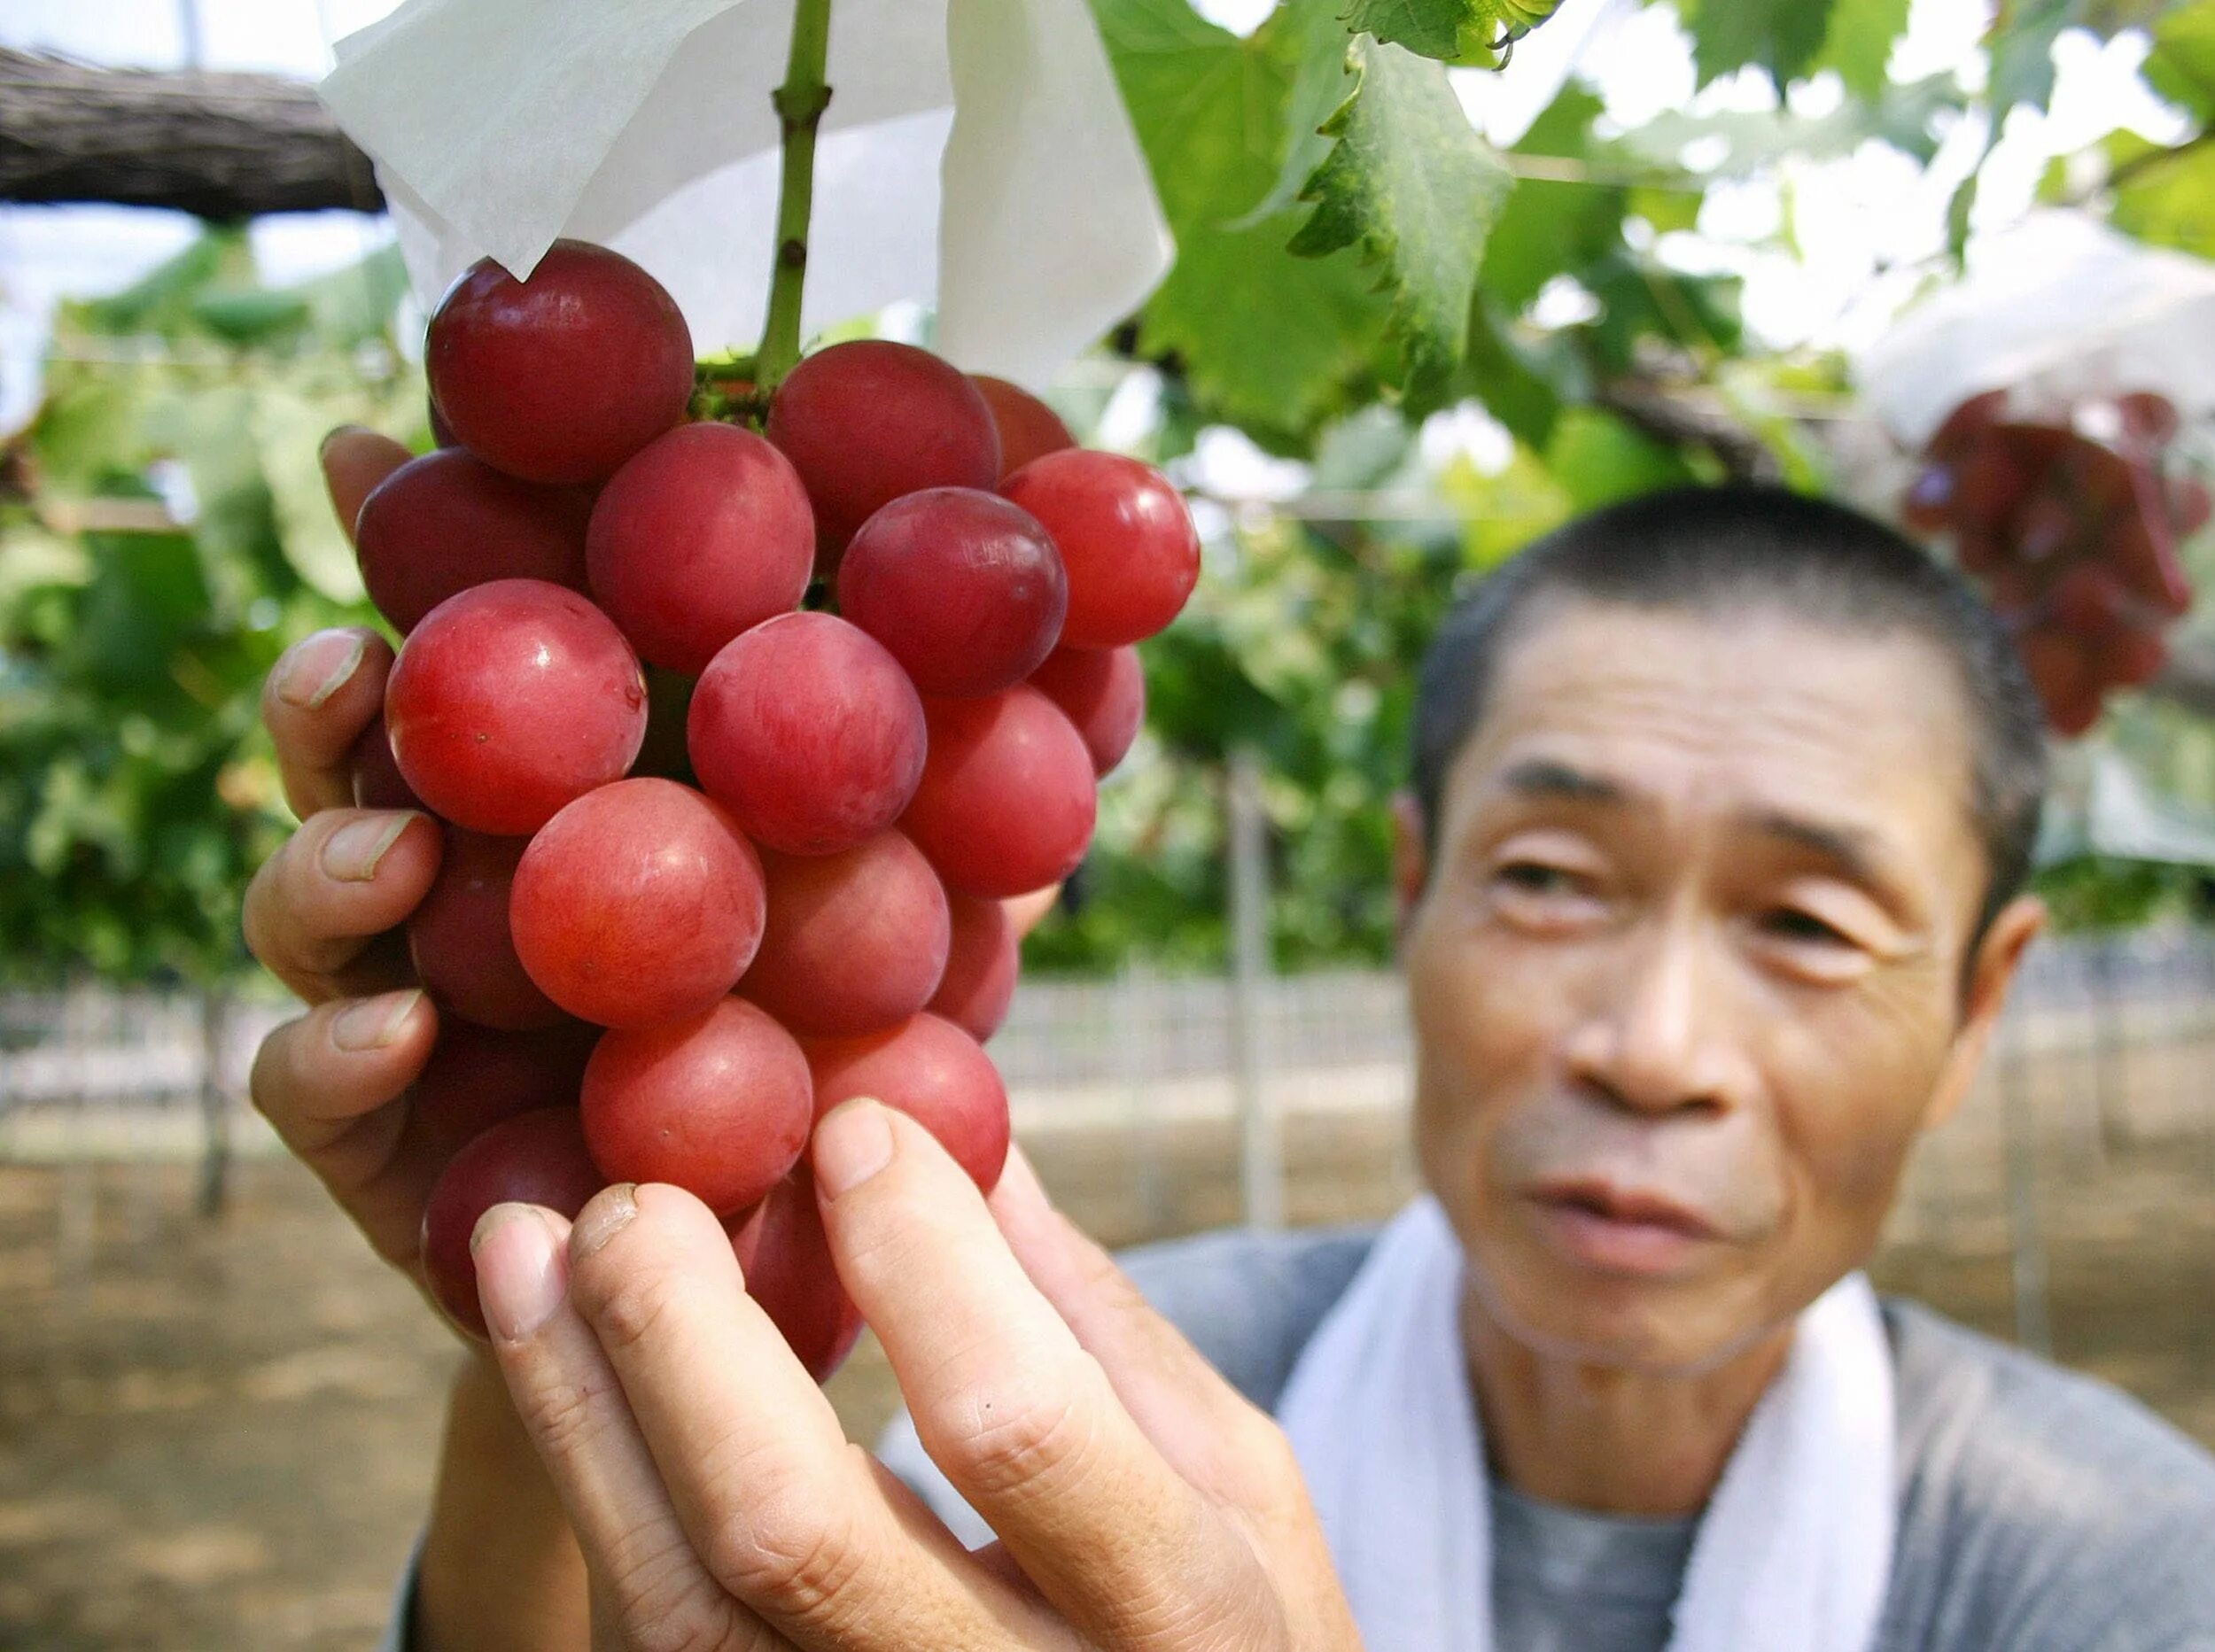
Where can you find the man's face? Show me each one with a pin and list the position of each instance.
(1686, 976)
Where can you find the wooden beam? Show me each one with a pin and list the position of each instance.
(222, 146)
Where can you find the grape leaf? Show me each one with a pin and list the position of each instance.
(1452, 31)
(1313, 33)
(1781, 36)
(1272, 343)
(1414, 186)
(1859, 44)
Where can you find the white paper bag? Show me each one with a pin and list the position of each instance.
(975, 154)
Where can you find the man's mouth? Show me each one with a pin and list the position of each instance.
(1619, 1229)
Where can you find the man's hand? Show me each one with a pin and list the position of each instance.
(1140, 1502)
(323, 915)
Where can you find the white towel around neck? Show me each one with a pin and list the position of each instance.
(1793, 1554)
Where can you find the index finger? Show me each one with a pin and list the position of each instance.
(320, 695)
(354, 462)
(1020, 1417)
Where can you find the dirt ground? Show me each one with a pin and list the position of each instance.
(219, 1433)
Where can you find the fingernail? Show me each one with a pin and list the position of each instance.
(520, 1279)
(352, 852)
(376, 1022)
(320, 666)
(609, 1213)
(851, 1145)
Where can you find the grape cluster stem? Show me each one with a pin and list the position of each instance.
(800, 103)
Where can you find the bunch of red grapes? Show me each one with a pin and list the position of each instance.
(2074, 539)
(717, 856)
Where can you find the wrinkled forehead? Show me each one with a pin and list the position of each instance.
(1753, 709)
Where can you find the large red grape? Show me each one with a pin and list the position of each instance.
(535, 1158)
(705, 534)
(638, 903)
(1027, 426)
(1102, 691)
(964, 589)
(932, 1071)
(1007, 796)
(459, 937)
(982, 963)
(2061, 670)
(510, 700)
(1988, 481)
(786, 1256)
(809, 733)
(2133, 657)
(2090, 600)
(1125, 537)
(717, 1104)
(867, 420)
(1968, 421)
(563, 377)
(478, 1075)
(856, 942)
(373, 774)
(447, 521)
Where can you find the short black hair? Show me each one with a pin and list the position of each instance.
(1717, 551)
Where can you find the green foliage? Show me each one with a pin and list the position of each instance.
(1299, 645)
(1860, 43)
(1453, 31)
(1432, 247)
(1274, 344)
(1551, 226)
(136, 789)
(1351, 256)
(2165, 197)
(1412, 185)
(1783, 36)
(2095, 895)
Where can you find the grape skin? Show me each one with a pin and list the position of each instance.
(965, 589)
(639, 903)
(535, 1158)
(1007, 797)
(511, 700)
(705, 534)
(809, 733)
(563, 377)
(717, 1104)
(868, 421)
(856, 941)
(932, 1071)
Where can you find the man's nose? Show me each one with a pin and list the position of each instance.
(1660, 1035)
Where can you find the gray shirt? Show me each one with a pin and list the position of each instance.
(2040, 1510)
(1563, 1580)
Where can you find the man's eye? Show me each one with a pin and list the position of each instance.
(1791, 924)
(1533, 878)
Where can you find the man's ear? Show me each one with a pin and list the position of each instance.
(1410, 863)
(1985, 995)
